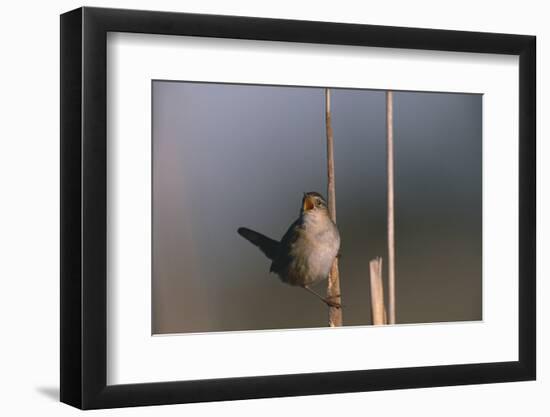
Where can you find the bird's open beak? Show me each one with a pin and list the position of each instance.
(307, 203)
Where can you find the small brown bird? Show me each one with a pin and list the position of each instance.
(306, 252)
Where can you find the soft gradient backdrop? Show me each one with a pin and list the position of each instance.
(228, 155)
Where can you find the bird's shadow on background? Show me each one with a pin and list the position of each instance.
(50, 392)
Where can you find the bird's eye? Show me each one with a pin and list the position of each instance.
(319, 203)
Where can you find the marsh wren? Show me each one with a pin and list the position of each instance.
(305, 254)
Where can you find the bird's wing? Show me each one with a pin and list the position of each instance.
(291, 234)
(268, 246)
(282, 261)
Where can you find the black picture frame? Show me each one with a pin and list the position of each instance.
(84, 207)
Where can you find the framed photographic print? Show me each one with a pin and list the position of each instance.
(256, 208)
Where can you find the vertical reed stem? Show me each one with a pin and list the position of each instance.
(377, 292)
(333, 288)
(391, 232)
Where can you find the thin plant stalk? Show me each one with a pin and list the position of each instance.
(378, 310)
(333, 287)
(391, 229)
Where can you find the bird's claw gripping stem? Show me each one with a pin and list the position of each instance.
(329, 301)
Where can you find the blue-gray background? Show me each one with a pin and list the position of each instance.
(227, 155)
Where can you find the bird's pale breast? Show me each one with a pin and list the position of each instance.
(313, 252)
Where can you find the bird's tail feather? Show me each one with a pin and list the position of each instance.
(267, 245)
